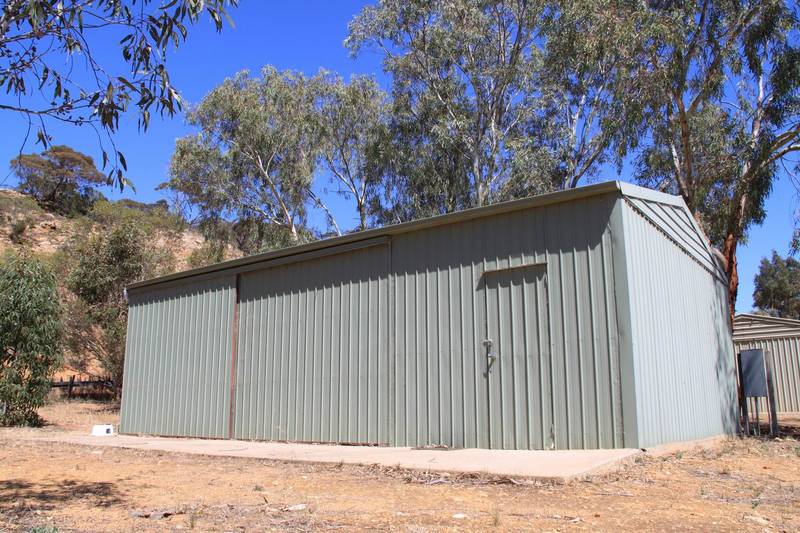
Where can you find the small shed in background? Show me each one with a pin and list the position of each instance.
(588, 318)
(781, 338)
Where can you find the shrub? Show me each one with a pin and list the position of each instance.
(150, 218)
(211, 252)
(30, 338)
(17, 233)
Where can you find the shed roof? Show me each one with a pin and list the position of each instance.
(749, 326)
(626, 189)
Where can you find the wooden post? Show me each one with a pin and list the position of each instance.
(69, 387)
(773, 410)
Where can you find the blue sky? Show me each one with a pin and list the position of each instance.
(303, 36)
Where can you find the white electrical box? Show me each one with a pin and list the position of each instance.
(102, 430)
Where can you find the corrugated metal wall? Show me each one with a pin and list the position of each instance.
(177, 377)
(683, 352)
(313, 357)
(563, 390)
(786, 370)
(385, 344)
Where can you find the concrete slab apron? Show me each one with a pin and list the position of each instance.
(544, 465)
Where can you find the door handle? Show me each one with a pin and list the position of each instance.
(492, 356)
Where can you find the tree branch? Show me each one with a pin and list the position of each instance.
(328, 213)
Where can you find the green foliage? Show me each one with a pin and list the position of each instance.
(261, 143)
(248, 235)
(722, 103)
(353, 120)
(60, 179)
(42, 41)
(157, 206)
(467, 68)
(495, 100)
(777, 286)
(426, 175)
(255, 155)
(101, 267)
(30, 338)
(587, 105)
(108, 262)
(715, 167)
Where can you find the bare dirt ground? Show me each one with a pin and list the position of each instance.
(741, 484)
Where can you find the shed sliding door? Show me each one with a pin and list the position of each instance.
(312, 362)
(177, 360)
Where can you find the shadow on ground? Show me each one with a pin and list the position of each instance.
(789, 429)
(20, 495)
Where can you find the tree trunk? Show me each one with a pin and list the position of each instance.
(729, 251)
(481, 190)
(480, 194)
(362, 214)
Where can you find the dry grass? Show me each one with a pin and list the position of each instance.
(739, 484)
(79, 415)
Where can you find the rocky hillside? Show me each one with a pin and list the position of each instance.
(22, 220)
(24, 223)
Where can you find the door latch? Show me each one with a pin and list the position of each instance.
(489, 353)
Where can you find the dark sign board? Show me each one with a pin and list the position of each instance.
(754, 377)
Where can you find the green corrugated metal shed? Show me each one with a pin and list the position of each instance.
(781, 338)
(588, 318)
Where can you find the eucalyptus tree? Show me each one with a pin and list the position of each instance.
(471, 63)
(589, 90)
(507, 97)
(724, 111)
(777, 286)
(425, 173)
(255, 155)
(60, 179)
(54, 64)
(353, 122)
